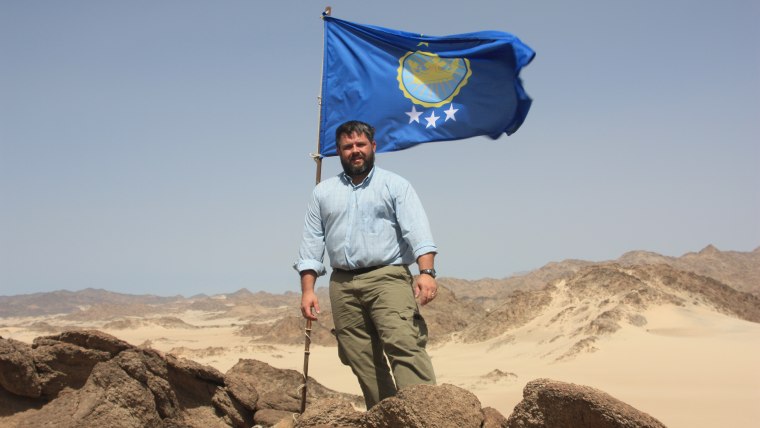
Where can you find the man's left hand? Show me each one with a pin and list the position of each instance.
(425, 288)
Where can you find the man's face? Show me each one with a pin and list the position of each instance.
(357, 154)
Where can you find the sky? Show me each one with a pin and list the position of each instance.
(162, 147)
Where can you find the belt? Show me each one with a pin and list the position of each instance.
(358, 271)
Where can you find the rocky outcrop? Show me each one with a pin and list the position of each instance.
(279, 389)
(417, 406)
(91, 379)
(17, 372)
(492, 418)
(547, 403)
(423, 406)
(331, 412)
(449, 315)
(517, 310)
(740, 270)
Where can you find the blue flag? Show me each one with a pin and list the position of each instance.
(417, 89)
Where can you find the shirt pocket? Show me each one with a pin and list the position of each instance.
(377, 218)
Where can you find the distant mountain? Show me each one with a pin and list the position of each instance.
(96, 304)
(573, 313)
(66, 302)
(473, 310)
(491, 292)
(740, 270)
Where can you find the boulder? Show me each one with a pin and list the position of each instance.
(547, 403)
(88, 379)
(148, 368)
(280, 389)
(89, 339)
(201, 392)
(427, 406)
(272, 417)
(17, 372)
(333, 412)
(63, 365)
(492, 418)
(109, 399)
(233, 413)
(242, 386)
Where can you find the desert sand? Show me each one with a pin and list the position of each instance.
(688, 367)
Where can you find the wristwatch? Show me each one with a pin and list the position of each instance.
(430, 272)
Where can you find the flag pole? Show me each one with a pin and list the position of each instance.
(318, 159)
(317, 156)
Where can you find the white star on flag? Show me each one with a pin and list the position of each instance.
(431, 119)
(450, 113)
(414, 115)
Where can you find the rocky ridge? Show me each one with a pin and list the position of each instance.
(91, 379)
(574, 313)
(739, 270)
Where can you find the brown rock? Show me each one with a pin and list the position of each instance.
(89, 339)
(109, 399)
(272, 417)
(147, 367)
(191, 369)
(333, 412)
(547, 403)
(427, 406)
(91, 379)
(61, 365)
(241, 385)
(277, 389)
(234, 413)
(202, 396)
(492, 418)
(17, 372)
(281, 389)
(193, 383)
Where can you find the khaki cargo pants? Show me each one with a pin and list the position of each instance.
(375, 316)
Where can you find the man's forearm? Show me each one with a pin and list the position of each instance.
(426, 261)
(308, 280)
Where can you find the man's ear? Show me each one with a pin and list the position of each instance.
(374, 146)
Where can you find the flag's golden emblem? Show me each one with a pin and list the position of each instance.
(432, 81)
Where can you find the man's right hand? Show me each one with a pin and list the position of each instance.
(309, 301)
(309, 305)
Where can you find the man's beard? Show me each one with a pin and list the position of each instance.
(353, 171)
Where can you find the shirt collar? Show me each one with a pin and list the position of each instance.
(347, 179)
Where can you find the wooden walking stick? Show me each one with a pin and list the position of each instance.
(306, 353)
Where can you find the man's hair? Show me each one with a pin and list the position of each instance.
(355, 126)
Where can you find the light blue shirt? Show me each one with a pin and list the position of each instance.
(378, 222)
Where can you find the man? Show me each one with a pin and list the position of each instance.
(373, 226)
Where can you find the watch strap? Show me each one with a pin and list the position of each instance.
(430, 272)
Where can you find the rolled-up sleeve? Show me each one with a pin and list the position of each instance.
(312, 251)
(413, 222)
